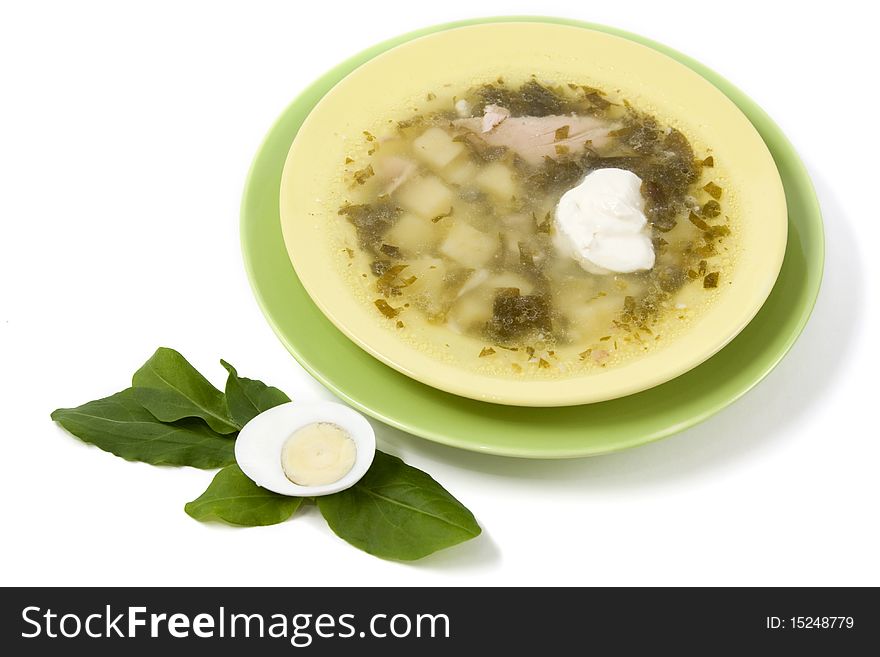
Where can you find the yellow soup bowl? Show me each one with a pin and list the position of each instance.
(313, 186)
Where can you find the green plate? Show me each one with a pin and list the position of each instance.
(395, 399)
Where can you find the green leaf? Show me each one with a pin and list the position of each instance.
(120, 425)
(398, 512)
(235, 499)
(172, 389)
(247, 398)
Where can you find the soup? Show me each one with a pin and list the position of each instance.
(554, 225)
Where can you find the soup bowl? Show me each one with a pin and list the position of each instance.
(313, 183)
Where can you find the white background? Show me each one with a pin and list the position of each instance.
(126, 131)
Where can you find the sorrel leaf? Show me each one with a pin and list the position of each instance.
(119, 424)
(233, 498)
(247, 398)
(398, 512)
(172, 389)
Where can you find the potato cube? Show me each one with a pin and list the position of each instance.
(413, 234)
(468, 246)
(436, 148)
(590, 319)
(428, 292)
(461, 171)
(426, 196)
(497, 180)
(430, 275)
(471, 311)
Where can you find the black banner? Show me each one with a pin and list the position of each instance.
(332, 621)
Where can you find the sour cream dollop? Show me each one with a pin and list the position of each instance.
(601, 223)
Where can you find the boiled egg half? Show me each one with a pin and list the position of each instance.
(306, 450)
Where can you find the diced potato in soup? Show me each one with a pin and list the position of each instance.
(436, 148)
(413, 234)
(426, 196)
(468, 247)
(460, 171)
(471, 311)
(593, 315)
(430, 275)
(497, 180)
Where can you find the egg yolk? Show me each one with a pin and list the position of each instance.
(317, 454)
